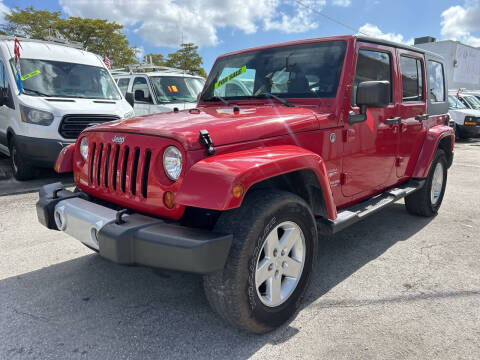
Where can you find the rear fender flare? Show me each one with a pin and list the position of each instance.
(430, 145)
(209, 183)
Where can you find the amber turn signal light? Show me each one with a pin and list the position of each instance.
(168, 199)
(237, 190)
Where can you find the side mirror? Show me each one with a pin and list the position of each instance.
(374, 94)
(129, 98)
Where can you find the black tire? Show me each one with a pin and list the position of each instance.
(22, 169)
(420, 203)
(232, 292)
(456, 132)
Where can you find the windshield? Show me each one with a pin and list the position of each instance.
(295, 71)
(472, 101)
(454, 103)
(170, 89)
(63, 79)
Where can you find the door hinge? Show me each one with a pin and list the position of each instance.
(345, 178)
(348, 135)
(398, 161)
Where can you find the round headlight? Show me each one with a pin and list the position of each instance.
(172, 162)
(84, 148)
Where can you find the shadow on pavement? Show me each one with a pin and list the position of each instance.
(91, 307)
(11, 186)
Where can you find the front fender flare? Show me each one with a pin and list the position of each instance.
(430, 145)
(208, 183)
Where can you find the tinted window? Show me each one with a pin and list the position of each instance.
(454, 103)
(2, 76)
(372, 66)
(412, 79)
(436, 91)
(123, 85)
(296, 71)
(141, 91)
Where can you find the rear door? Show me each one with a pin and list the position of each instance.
(370, 147)
(412, 109)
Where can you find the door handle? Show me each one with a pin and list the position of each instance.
(422, 117)
(393, 121)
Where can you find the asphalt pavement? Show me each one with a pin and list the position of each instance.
(392, 286)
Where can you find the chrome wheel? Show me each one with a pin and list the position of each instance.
(280, 263)
(437, 183)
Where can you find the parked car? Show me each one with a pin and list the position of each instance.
(465, 121)
(65, 90)
(161, 90)
(239, 188)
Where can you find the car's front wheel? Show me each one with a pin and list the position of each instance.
(270, 262)
(22, 169)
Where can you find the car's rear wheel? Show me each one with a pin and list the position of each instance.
(270, 263)
(427, 200)
(22, 169)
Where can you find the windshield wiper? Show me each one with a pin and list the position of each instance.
(216, 97)
(283, 101)
(38, 92)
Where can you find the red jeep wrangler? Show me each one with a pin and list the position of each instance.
(287, 142)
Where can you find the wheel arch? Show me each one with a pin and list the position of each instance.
(437, 137)
(209, 183)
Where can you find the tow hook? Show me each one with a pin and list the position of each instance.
(206, 140)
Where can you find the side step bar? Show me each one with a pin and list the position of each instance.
(368, 207)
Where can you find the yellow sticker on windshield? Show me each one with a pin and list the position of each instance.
(231, 76)
(28, 76)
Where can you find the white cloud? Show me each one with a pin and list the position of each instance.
(374, 31)
(458, 22)
(162, 22)
(343, 3)
(4, 10)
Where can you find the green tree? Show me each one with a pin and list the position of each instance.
(157, 59)
(187, 58)
(96, 35)
(100, 37)
(30, 22)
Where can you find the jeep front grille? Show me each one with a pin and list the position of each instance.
(120, 168)
(72, 125)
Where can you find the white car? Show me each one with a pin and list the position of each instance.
(64, 90)
(160, 91)
(465, 121)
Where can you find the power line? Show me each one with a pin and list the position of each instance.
(329, 18)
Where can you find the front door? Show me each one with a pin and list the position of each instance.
(370, 147)
(143, 96)
(412, 109)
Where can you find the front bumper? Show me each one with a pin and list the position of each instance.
(469, 130)
(38, 151)
(132, 239)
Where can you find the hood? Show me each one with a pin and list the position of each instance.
(465, 112)
(62, 106)
(224, 125)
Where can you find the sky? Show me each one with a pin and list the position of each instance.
(220, 26)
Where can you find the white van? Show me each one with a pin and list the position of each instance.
(65, 90)
(464, 120)
(160, 90)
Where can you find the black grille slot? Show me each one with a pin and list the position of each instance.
(72, 125)
(99, 164)
(115, 167)
(124, 171)
(134, 171)
(92, 158)
(146, 169)
(107, 164)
